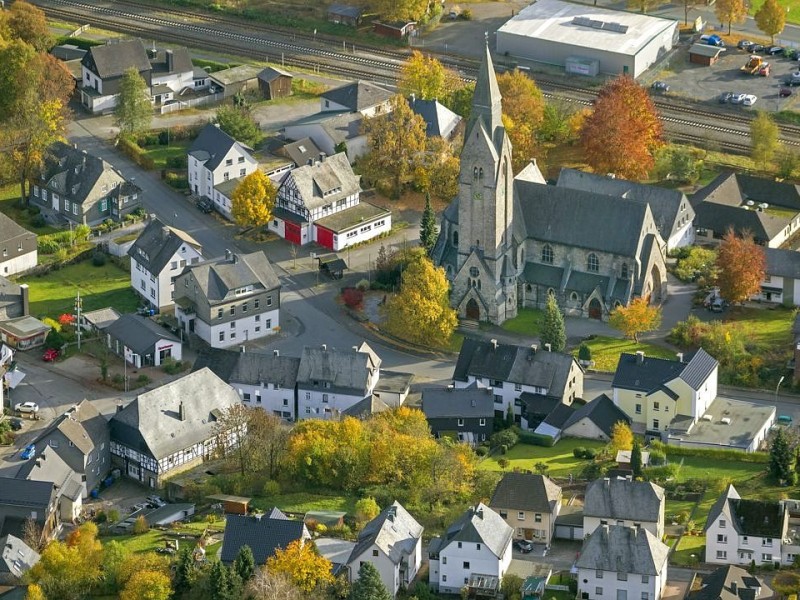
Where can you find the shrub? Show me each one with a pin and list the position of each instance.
(177, 162)
(353, 298)
(536, 439)
(584, 352)
(98, 259)
(661, 473)
(33, 210)
(590, 453)
(481, 451)
(113, 515)
(176, 180)
(578, 451)
(117, 379)
(507, 437)
(142, 379)
(54, 340)
(466, 14)
(657, 458)
(163, 137)
(363, 285)
(173, 367)
(101, 517)
(503, 463)
(38, 221)
(140, 525)
(271, 488)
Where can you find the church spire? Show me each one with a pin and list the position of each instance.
(486, 101)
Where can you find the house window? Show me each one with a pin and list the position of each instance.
(242, 172)
(220, 312)
(722, 539)
(233, 310)
(444, 560)
(537, 517)
(246, 396)
(269, 300)
(645, 578)
(624, 270)
(638, 409)
(241, 160)
(228, 162)
(766, 542)
(766, 557)
(233, 324)
(461, 422)
(244, 307)
(498, 399)
(521, 515)
(465, 564)
(66, 203)
(622, 577)
(173, 265)
(592, 264)
(308, 395)
(722, 524)
(74, 208)
(221, 336)
(645, 596)
(374, 553)
(324, 397)
(517, 387)
(104, 205)
(722, 554)
(255, 303)
(598, 574)
(477, 546)
(656, 406)
(745, 541)
(655, 423)
(482, 422)
(598, 591)
(474, 272)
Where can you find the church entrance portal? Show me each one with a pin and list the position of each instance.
(595, 310)
(473, 312)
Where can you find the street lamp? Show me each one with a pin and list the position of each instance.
(777, 387)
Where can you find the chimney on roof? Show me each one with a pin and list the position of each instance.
(119, 407)
(182, 411)
(322, 157)
(548, 347)
(170, 60)
(258, 516)
(680, 356)
(734, 588)
(227, 254)
(494, 344)
(310, 162)
(234, 257)
(276, 353)
(391, 513)
(607, 481)
(324, 347)
(479, 512)
(24, 294)
(639, 357)
(355, 348)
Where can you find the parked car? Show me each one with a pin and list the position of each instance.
(523, 546)
(793, 79)
(28, 452)
(755, 48)
(784, 420)
(16, 424)
(744, 45)
(749, 99)
(773, 50)
(712, 40)
(785, 92)
(725, 97)
(205, 205)
(156, 501)
(50, 355)
(764, 70)
(660, 86)
(737, 98)
(27, 407)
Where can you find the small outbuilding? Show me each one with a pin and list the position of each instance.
(275, 83)
(703, 54)
(142, 342)
(23, 333)
(232, 505)
(396, 29)
(344, 14)
(96, 321)
(231, 81)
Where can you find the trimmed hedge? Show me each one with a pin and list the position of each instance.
(133, 151)
(536, 439)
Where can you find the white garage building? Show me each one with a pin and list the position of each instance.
(587, 40)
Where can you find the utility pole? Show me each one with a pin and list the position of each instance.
(78, 309)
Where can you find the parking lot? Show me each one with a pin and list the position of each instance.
(698, 82)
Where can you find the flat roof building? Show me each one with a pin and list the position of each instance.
(587, 40)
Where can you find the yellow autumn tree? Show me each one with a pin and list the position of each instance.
(147, 585)
(523, 113)
(771, 18)
(639, 316)
(253, 200)
(427, 78)
(303, 565)
(35, 593)
(421, 312)
(621, 437)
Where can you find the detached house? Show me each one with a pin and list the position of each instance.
(512, 371)
(216, 164)
(142, 342)
(466, 414)
(728, 583)
(392, 543)
(230, 300)
(474, 552)
(782, 282)
(529, 503)
(622, 563)
(23, 499)
(158, 256)
(172, 428)
(623, 502)
(320, 202)
(76, 187)
(19, 247)
(263, 533)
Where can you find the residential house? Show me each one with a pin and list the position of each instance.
(76, 187)
(235, 80)
(529, 503)
(215, 158)
(329, 380)
(19, 249)
(158, 256)
(229, 300)
(22, 499)
(440, 121)
(594, 420)
(741, 531)
(142, 342)
(727, 583)
(466, 414)
(49, 466)
(512, 370)
(344, 14)
(80, 436)
(172, 428)
(781, 284)
(275, 83)
(624, 502)
(320, 202)
(16, 558)
(171, 72)
(392, 543)
(361, 97)
(103, 68)
(263, 533)
(620, 562)
(473, 552)
(672, 211)
(654, 391)
(266, 381)
(769, 210)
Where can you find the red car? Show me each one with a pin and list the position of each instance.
(785, 92)
(50, 355)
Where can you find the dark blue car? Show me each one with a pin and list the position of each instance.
(28, 452)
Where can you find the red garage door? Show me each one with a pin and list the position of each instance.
(324, 237)
(292, 232)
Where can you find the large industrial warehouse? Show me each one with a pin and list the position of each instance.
(587, 40)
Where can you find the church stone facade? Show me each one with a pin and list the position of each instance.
(509, 242)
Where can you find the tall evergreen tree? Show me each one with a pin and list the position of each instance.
(781, 459)
(553, 330)
(369, 585)
(427, 227)
(636, 459)
(184, 570)
(219, 582)
(244, 564)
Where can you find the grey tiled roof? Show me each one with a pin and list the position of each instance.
(26, 493)
(10, 230)
(723, 507)
(212, 145)
(545, 275)
(602, 412)
(367, 407)
(138, 333)
(181, 62)
(478, 524)
(82, 424)
(394, 532)
(114, 58)
(439, 120)
(17, 557)
(301, 151)
(730, 583)
(270, 73)
(325, 181)
(632, 550)
(263, 534)
(219, 277)
(783, 263)
(345, 370)
(254, 368)
(358, 95)
(613, 498)
(526, 491)
(152, 421)
(345, 10)
(471, 402)
(50, 467)
(102, 317)
(159, 243)
(653, 372)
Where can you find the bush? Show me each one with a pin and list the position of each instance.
(536, 439)
(584, 352)
(363, 285)
(101, 517)
(503, 449)
(163, 138)
(507, 437)
(590, 453)
(98, 259)
(142, 379)
(751, 457)
(657, 458)
(38, 221)
(113, 515)
(141, 525)
(353, 298)
(466, 15)
(481, 451)
(173, 367)
(117, 379)
(661, 473)
(177, 162)
(271, 488)
(54, 340)
(176, 180)
(578, 451)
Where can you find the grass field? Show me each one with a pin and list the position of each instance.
(707, 470)
(54, 293)
(793, 15)
(688, 546)
(527, 322)
(765, 327)
(302, 502)
(160, 153)
(559, 458)
(606, 351)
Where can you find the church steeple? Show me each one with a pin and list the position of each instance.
(486, 101)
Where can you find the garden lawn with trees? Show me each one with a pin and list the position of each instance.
(559, 458)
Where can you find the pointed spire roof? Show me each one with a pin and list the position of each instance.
(486, 101)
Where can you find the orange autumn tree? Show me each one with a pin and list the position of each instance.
(624, 131)
(639, 316)
(742, 266)
(302, 565)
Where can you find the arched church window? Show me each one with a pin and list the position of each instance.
(473, 272)
(547, 254)
(455, 238)
(551, 292)
(573, 296)
(475, 172)
(528, 287)
(480, 173)
(479, 284)
(592, 264)
(624, 270)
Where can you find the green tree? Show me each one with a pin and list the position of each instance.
(764, 135)
(511, 586)
(244, 564)
(788, 162)
(220, 582)
(253, 200)
(134, 111)
(29, 24)
(238, 123)
(460, 101)
(782, 458)
(185, 570)
(636, 459)
(730, 11)
(369, 586)
(771, 18)
(114, 556)
(366, 510)
(553, 330)
(427, 227)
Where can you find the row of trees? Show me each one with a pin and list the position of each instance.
(770, 18)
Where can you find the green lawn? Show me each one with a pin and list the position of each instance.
(54, 293)
(689, 545)
(527, 322)
(606, 351)
(160, 153)
(145, 542)
(767, 328)
(9, 206)
(793, 16)
(676, 507)
(559, 458)
(303, 502)
(695, 467)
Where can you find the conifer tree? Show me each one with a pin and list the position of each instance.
(636, 459)
(781, 459)
(553, 330)
(244, 564)
(369, 585)
(427, 228)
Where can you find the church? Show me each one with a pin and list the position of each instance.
(510, 241)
